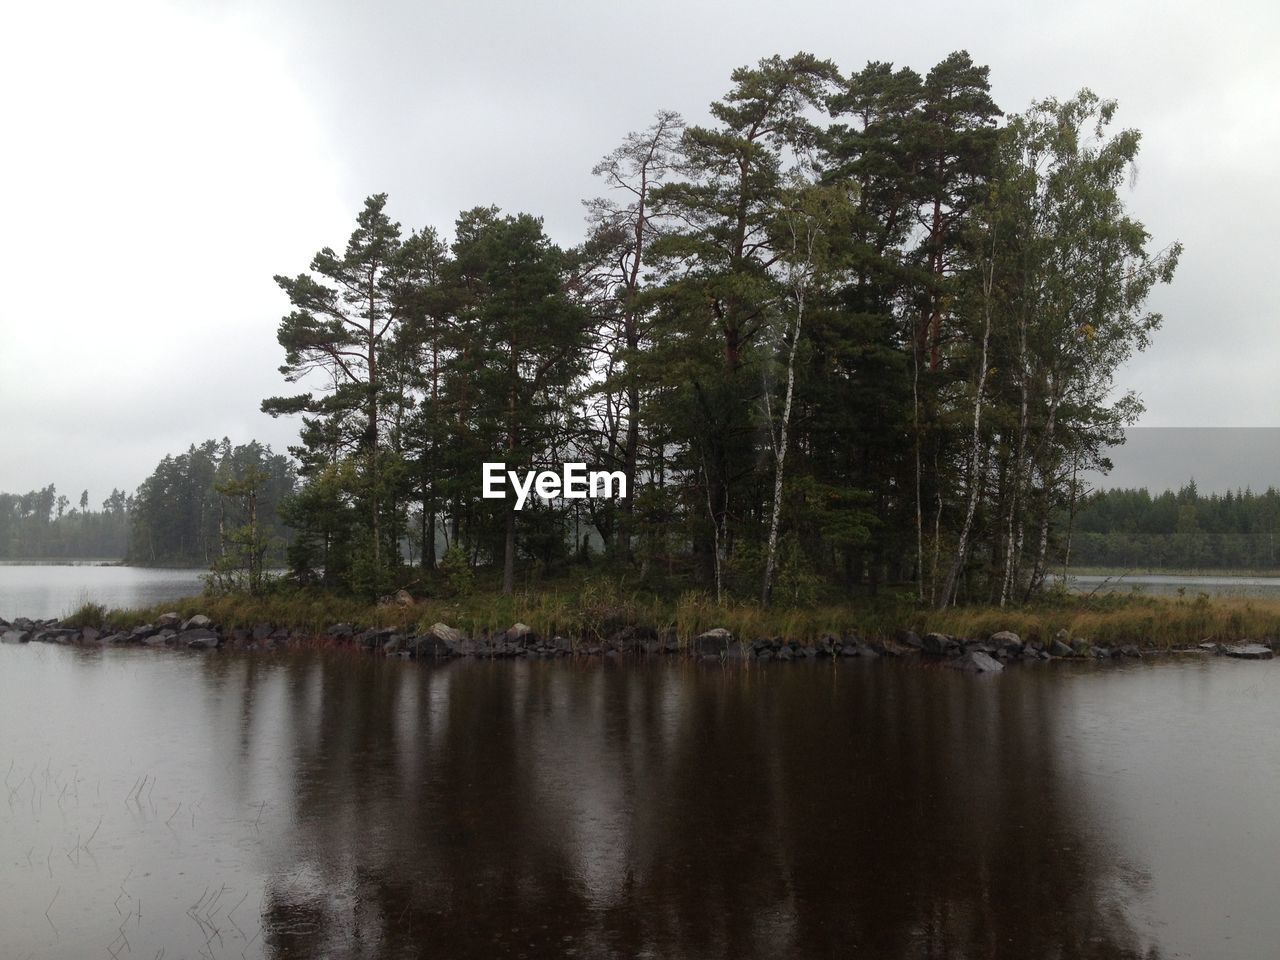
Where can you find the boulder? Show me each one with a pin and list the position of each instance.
(168, 620)
(340, 631)
(1060, 649)
(198, 622)
(445, 633)
(712, 643)
(430, 647)
(15, 636)
(89, 635)
(160, 638)
(401, 598)
(1208, 646)
(975, 662)
(198, 638)
(909, 638)
(1080, 647)
(1130, 650)
(1003, 639)
(520, 633)
(940, 645)
(1247, 651)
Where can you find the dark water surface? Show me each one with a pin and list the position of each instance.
(309, 805)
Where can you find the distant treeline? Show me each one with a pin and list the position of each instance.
(180, 516)
(1178, 530)
(44, 525)
(187, 513)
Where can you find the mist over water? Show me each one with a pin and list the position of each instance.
(44, 590)
(302, 805)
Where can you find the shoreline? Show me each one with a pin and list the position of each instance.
(971, 651)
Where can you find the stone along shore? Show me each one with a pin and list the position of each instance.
(443, 642)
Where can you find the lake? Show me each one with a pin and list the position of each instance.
(306, 804)
(1163, 584)
(42, 590)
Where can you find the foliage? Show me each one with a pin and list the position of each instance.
(917, 305)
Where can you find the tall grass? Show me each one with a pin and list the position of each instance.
(593, 609)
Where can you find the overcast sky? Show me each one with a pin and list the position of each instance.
(159, 162)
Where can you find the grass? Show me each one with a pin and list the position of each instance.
(590, 609)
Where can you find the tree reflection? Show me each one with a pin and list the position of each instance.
(669, 810)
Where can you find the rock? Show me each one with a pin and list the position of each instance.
(445, 633)
(198, 622)
(785, 653)
(940, 645)
(1060, 649)
(15, 636)
(374, 638)
(341, 631)
(520, 633)
(89, 635)
(401, 598)
(909, 638)
(1247, 651)
(713, 643)
(160, 638)
(888, 648)
(1006, 642)
(1208, 646)
(198, 638)
(142, 632)
(1130, 650)
(168, 620)
(261, 631)
(393, 644)
(430, 647)
(1080, 647)
(975, 662)
(1005, 638)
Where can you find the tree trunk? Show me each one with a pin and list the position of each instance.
(948, 592)
(780, 455)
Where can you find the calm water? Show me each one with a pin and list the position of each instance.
(308, 805)
(1157, 584)
(54, 590)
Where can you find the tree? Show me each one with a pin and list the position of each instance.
(808, 214)
(520, 343)
(621, 234)
(345, 312)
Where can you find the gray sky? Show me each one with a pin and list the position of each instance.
(160, 161)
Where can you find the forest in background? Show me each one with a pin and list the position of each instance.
(191, 511)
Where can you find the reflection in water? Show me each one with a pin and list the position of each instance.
(344, 806)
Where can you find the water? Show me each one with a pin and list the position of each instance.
(42, 590)
(1161, 584)
(303, 805)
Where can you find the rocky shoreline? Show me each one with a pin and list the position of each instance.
(443, 642)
